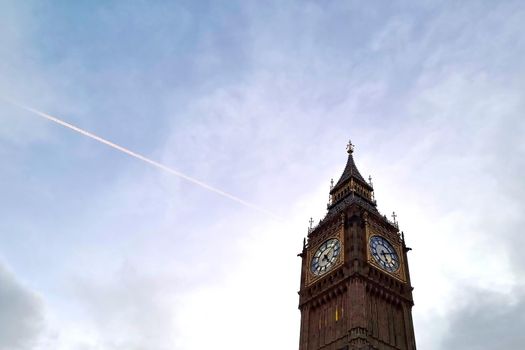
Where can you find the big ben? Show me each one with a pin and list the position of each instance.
(355, 288)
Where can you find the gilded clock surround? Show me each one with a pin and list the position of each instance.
(337, 234)
(373, 229)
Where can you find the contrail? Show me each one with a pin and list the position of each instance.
(143, 158)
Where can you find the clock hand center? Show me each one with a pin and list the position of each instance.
(325, 257)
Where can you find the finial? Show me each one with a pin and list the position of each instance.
(350, 147)
(331, 184)
(370, 180)
(394, 216)
(311, 223)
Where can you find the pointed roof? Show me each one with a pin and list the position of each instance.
(350, 171)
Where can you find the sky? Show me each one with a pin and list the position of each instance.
(102, 251)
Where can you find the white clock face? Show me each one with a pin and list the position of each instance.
(325, 257)
(384, 253)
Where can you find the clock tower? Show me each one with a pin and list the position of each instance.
(355, 284)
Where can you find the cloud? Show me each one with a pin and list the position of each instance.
(431, 95)
(486, 320)
(123, 310)
(21, 316)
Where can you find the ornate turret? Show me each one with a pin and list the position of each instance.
(351, 185)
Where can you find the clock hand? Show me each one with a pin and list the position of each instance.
(385, 254)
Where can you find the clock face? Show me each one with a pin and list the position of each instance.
(325, 257)
(384, 253)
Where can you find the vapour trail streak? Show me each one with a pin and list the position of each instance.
(144, 159)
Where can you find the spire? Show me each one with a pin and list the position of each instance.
(350, 171)
(351, 187)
